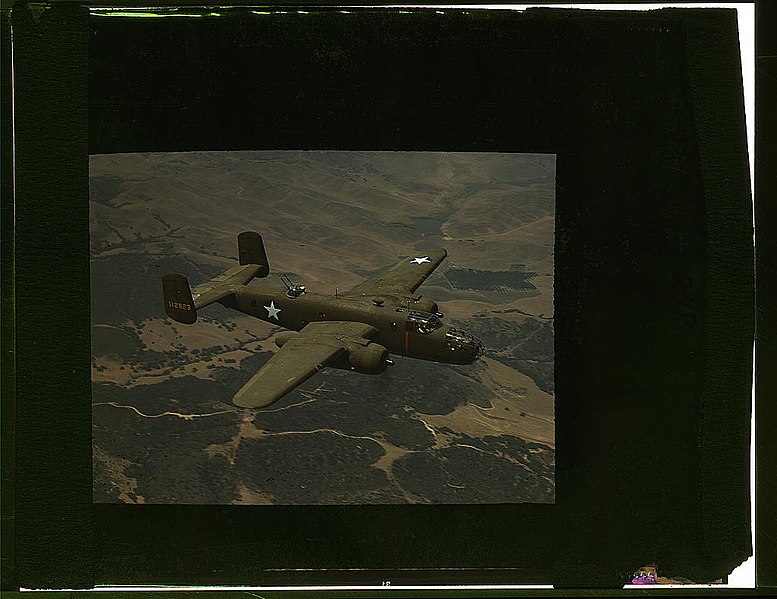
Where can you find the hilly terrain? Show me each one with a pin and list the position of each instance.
(165, 430)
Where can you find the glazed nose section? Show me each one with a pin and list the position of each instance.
(468, 344)
(480, 348)
(475, 347)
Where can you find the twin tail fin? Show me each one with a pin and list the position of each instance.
(182, 303)
(250, 250)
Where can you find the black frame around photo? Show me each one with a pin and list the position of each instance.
(654, 276)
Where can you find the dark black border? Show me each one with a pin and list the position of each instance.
(53, 511)
(7, 407)
(675, 332)
(766, 277)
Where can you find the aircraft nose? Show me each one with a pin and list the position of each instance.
(471, 347)
(480, 348)
(476, 347)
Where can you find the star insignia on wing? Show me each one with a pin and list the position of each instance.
(420, 260)
(272, 311)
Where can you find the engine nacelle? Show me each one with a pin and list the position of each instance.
(369, 359)
(282, 338)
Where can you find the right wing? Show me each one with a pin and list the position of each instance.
(300, 358)
(404, 277)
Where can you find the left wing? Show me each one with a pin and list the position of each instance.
(300, 358)
(404, 277)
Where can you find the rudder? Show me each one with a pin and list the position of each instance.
(251, 251)
(179, 304)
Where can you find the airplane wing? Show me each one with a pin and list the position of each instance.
(404, 277)
(300, 358)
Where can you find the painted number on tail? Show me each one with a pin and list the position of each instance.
(179, 305)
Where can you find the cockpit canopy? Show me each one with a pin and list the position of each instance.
(422, 322)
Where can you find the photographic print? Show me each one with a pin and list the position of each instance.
(322, 327)
(634, 290)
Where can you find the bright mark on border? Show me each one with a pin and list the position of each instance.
(420, 260)
(272, 311)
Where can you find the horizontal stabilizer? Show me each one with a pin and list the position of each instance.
(179, 304)
(224, 284)
(182, 303)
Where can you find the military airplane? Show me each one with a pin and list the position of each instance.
(356, 330)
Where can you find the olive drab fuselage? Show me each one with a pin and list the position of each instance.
(358, 330)
(402, 329)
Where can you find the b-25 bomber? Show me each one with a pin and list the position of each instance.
(356, 330)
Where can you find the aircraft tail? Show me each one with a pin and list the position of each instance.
(251, 251)
(179, 304)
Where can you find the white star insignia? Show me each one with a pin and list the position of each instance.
(420, 260)
(272, 311)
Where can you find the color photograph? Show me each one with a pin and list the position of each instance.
(322, 327)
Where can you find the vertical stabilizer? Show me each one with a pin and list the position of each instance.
(179, 304)
(251, 251)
